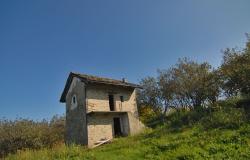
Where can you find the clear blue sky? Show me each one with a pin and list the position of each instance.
(42, 41)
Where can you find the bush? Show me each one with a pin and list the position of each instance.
(242, 102)
(230, 102)
(147, 115)
(223, 116)
(183, 117)
(230, 118)
(23, 133)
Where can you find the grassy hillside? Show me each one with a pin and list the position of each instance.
(161, 143)
(220, 132)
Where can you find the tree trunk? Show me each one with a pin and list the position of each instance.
(163, 119)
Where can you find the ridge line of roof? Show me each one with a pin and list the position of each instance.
(104, 79)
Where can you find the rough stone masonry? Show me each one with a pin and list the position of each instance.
(99, 108)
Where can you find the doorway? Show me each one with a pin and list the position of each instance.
(117, 127)
(111, 102)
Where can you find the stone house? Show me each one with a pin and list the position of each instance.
(99, 108)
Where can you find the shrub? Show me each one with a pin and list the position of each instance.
(147, 115)
(230, 118)
(183, 117)
(237, 102)
(230, 102)
(245, 104)
(223, 116)
(23, 133)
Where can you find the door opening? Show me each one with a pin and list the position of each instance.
(117, 127)
(111, 102)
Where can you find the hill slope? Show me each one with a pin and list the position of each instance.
(161, 143)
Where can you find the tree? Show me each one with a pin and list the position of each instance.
(189, 84)
(150, 94)
(235, 71)
(167, 87)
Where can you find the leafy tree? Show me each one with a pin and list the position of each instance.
(235, 71)
(187, 84)
(195, 84)
(168, 87)
(157, 93)
(150, 94)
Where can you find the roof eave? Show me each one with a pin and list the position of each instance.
(66, 88)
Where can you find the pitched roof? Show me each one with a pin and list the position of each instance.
(94, 79)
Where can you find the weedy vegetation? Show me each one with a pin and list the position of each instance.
(220, 134)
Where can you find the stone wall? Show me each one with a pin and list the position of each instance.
(99, 127)
(88, 129)
(76, 130)
(102, 127)
(97, 98)
(135, 125)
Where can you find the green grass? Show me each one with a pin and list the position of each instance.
(161, 143)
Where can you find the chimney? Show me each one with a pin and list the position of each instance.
(124, 80)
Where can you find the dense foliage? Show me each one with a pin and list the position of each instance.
(23, 133)
(235, 71)
(188, 84)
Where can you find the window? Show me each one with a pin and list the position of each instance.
(73, 102)
(121, 98)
